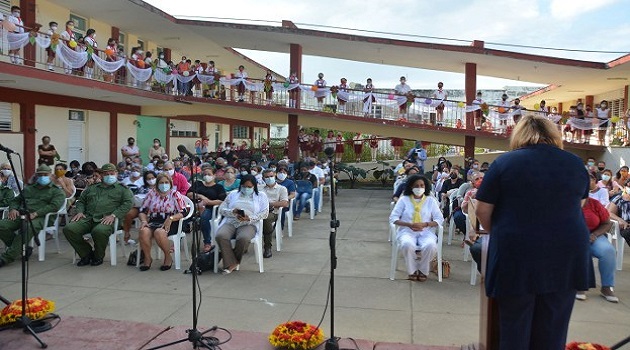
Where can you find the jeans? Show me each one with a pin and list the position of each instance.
(182, 88)
(460, 220)
(605, 253)
(301, 199)
(206, 216)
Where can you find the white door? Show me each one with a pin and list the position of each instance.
(76, 130)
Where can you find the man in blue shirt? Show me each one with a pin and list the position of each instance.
(282, 176)
(418, 155)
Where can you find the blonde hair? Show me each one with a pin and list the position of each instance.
(533, 130)
(163, 176)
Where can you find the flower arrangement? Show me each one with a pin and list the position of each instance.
(585, 346)
(296, 335)
(36, 308)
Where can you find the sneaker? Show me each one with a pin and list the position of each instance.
(267, 254)
(580, 296)
(608, 294)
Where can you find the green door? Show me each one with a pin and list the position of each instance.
(149, 128)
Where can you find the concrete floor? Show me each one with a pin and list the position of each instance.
(367, 304)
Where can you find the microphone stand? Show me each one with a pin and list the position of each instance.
(24, 321)
(194, 335)
(333, 342)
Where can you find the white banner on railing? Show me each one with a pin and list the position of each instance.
(140, 74)
(162, 77)
(71, 58)
(109, 67)
(17, 40)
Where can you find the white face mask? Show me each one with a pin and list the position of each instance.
(16, 14)
(135, 174)
(53, 28)
(254, 173)
(6, 172)
(208, 178)
(418, 192)
(170, 172)
(151, 182)
(282, 176)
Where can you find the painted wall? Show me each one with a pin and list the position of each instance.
(52, 121)
(150, 128)
(189, 142)
(14, 142)
(616, 157)
(15, 117)
(103, 31)
(97, 137)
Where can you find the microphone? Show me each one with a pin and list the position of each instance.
(6, 149)
(182, 149)
(330, 152)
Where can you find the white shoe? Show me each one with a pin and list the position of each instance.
(580, 296)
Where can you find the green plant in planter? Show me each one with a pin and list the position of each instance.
(385, 174)
(353, 172)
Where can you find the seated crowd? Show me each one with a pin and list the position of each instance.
(244, 191)
(423, 201)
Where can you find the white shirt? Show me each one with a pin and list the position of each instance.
(402, 89)
(601, 195)
(240, 74)
(18, 22)
(440, 94)
(318, 172)
(276, 193)
(403, 210)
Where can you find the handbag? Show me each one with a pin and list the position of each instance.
(133, 258)
(446, 267)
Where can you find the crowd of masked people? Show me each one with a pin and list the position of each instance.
(154, 196)
(448, 191)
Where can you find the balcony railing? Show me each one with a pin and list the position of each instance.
(378, 104)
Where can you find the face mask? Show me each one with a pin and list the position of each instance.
(161, 56)
(43, 180)
(418, 191)
(243, 173)
(270, 180)
(590, 164)
(110, 179)
(60, 173)
(254, 173)
(453, 176)
(156, 144)
(252, 165)
(227, 148)
(170, 172)
(248, 191)
(478, 183)
(135, 174)
(16, 14)
(75, 170)
(600, 168)
(70, 27)
(273, 168)
(606, 177)
(603, 105)
(89, 172)
(164, 187)
(475, 166)
(208, 178)
(53, 28)
(282, 176)
(230, 175)
(6, 172)
(151, 182)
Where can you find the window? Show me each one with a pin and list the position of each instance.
(76, 115)
(80, 25)
(122, 41)
(240, 132)
(616, 108)
(184, 128)
(141, 44)
(5, 6)
(6, 117)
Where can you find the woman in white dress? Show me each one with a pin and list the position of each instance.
(416, 214)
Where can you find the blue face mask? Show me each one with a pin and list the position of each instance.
(43, 180)
(248, 191)
(164, 187)
(110, 179)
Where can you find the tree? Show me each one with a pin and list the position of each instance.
(385, 174)
(353, 172)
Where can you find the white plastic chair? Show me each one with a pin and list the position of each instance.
(394, 262)
(614, 234)
(178, 238)
(115, 238)
(5, 212)
(278, 227)
(52, 227)
(321, 197)
(451, 224)
(257, 241)
(311, 202)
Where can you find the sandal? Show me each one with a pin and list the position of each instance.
(207, 247)
(414, 277)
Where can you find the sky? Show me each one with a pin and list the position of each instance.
(594, 25)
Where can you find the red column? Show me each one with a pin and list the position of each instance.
(471, 92)
(626, 104)
(559, 107)
(251, 137)
(589, 101)
(167, 54)
(27, 124)
(295, 65)
(115, 34)
(202, 130)
(294, 130)
(113, 137)
(28, 15)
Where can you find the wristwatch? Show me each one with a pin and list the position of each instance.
(171, 217)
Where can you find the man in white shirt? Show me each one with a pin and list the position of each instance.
(441, 95)
(278, 197)
(402, 89)
(321, 178)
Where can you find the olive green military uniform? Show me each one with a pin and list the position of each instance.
(39, 199)
(6, 195)
(96, 202)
